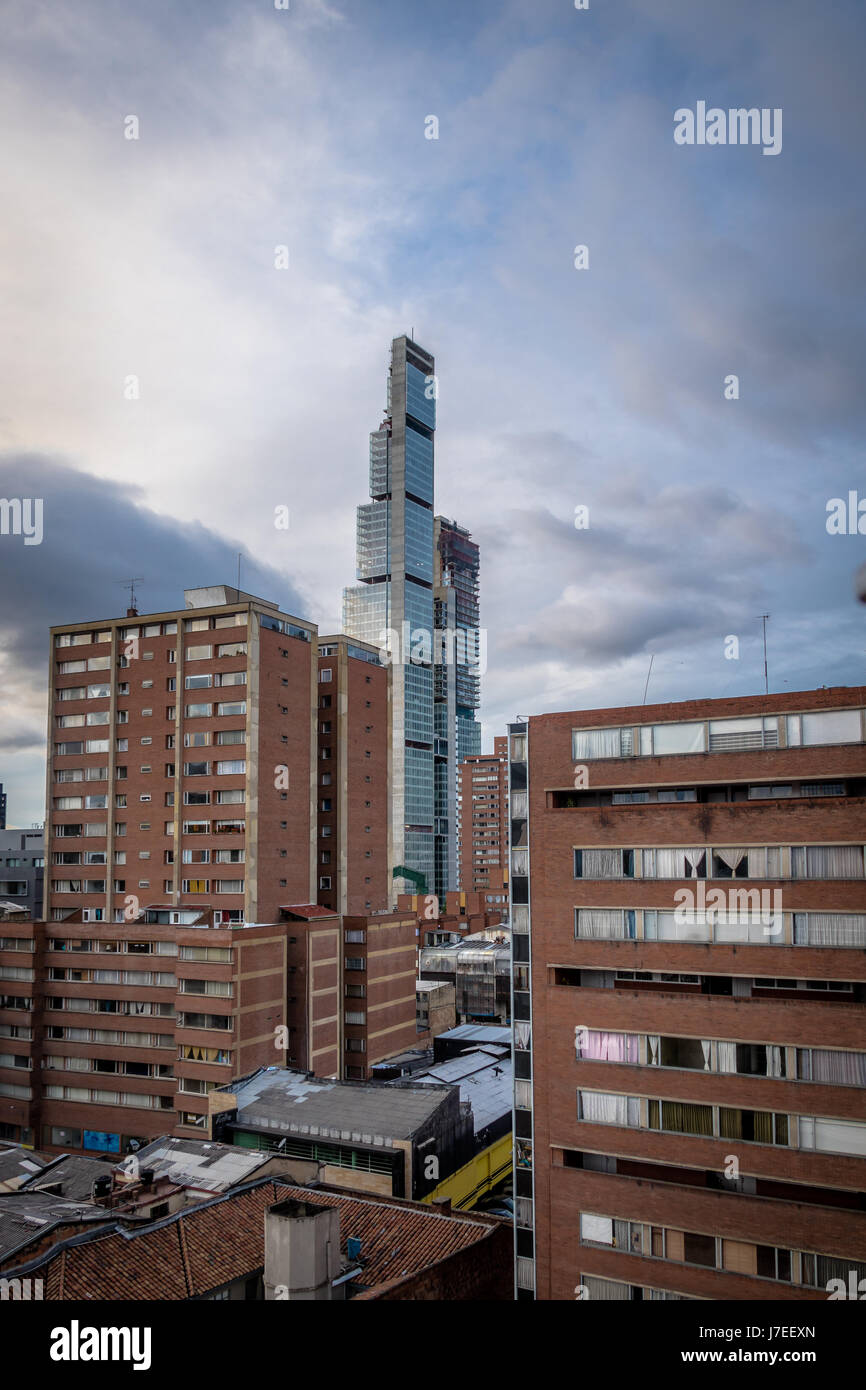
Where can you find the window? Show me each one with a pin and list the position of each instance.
(197, 711)
(197, 682)
(831, 726)
(827, 861)
(199, 653)
(231, 768)
(232, 707)
(604, 863)
(601, 743)
(325, 675)
(232, 649)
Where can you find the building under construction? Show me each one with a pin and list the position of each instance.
(481, 972)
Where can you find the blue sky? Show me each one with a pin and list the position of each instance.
(558, 387)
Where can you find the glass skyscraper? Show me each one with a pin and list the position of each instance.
(418, 595)
(395, 595)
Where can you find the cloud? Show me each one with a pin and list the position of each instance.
(260, 128)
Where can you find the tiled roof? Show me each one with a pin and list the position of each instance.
(205, 1247)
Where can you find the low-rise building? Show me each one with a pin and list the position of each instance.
(367, 1135)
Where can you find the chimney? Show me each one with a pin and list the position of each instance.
(302, 1251)
(442, 1205)
(132, 612)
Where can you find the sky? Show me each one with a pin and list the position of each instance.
(165, 386)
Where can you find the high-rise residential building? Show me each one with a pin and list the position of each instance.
(483, 820)
(395, 567)
(354, 784)
(182, 761)
(689, 998)
(456, 683)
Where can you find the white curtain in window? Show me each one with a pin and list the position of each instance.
(696, 860)
(603, 1107)
(827, 861)
(836, 1067)
(705, 1048)
(652, 1049)
(666, 863)
(731, 857)
(596, 743)
(598, 924)
(605, 1290)
(774, 1060)
(727, 1052)
(522, 1036)
(602, 863)
(829, 929)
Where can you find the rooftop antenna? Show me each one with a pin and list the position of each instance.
(132, 611)
(764, 617)
(239, 569)
(648, 674)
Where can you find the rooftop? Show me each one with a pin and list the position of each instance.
(75, 1175)
(29, 1216)
(205, 1247)
(293, 1102)
(18, 1163)
(478, 1033)
(484, 1076)
(195, 1163)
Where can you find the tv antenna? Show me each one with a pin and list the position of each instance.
(764, 617)
(130, 585)
(648, 674)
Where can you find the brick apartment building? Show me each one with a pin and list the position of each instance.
(690, 1111)
(182, 761)
(354, 752)
(351, 990)
(183, 820)
(114, 1033)
(484, 820)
